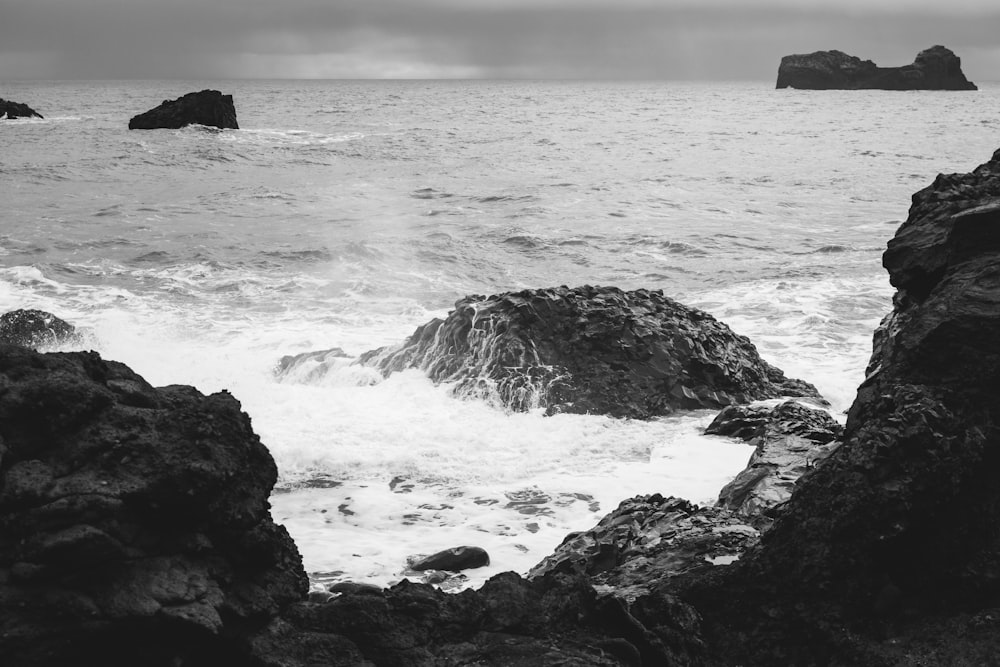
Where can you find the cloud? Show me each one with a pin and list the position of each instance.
(714, 39)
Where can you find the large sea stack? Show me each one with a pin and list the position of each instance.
(11, 109)
(936, 68)
(208, 107)
(597, 350)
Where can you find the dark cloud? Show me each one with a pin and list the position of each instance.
(546, 38)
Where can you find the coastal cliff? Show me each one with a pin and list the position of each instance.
(936, 68)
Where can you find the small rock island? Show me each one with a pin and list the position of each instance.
(936, 68)
(207, 107)
(9, 109)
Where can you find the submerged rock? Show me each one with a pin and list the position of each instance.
(789, 441)
(134, 522)
(208, 107)
(11, 109)
(936, 68)
(595, 350)
(34, 329)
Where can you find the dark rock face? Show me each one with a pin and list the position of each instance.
(134, 522)
(790, 440)
(11, 109)
(936, 68)
(208, 107)
(895, 535)
(34, 329)
(455, 559)
(589, 350)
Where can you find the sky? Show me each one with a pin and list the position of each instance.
(549, 39)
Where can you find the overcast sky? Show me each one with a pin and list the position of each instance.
(606, 39)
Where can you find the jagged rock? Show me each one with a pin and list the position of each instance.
(593, 350)
(134, 522)
(309, 366)
(11, 109)
(208, 107)
(648, 541)
(789, 441)
(895, 535)
(34, 329)
(936, 68)
(455, 559)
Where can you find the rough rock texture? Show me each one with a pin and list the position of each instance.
(789, 440)
(34, 329)
(554, 620)
(589, 350)
(134, 522)
(10, 109)
(936, 68)
(208, 107)
(648, 541)
(889, 553)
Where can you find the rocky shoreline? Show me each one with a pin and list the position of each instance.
(136, 530)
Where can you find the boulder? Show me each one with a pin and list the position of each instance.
(208, 107)
(936, 68)
(597, 350)
(455, 559)
(895, 535)
(34, 329)
(11, 109)
(790, 440)
(134, 522)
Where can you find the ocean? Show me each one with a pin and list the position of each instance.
(347, 213)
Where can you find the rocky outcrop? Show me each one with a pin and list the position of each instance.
(134, 522)
(34, 329)
(208, 107)
(11, 109)
(894, 537)
(790, 440)
(596, 350)
(936, 68)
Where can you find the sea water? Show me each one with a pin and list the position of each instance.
(346, 213)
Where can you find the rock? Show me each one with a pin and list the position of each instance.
(134, 522)
(936, 68)
(647, 542)
(589, 350)
(455, 559)
(895, 534)
(17, 110)
(34, 329)
(789, 441)
(208, 107)
(309, 366)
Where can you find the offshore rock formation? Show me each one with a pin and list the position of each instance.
(134, 522)
(592, 350)
(208, 107)
(11, 109)
(789, 440)
(888, 553)
(34, 329)
(936, 68)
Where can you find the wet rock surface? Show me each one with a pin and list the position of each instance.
(207, 107)
(790, 440)
(455, 559)
(34, 329)
(596, 350)
(134, 522)
(936, 68)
